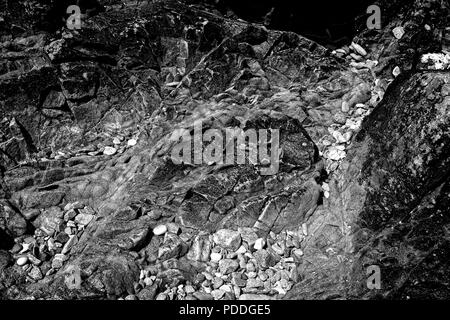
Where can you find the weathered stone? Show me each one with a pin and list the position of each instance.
(200, 249)
(227, 266)
(254, 283)
(215, 257)
(73, 239)
(227, 239)
(360, 50)
(160, 230)
(265, 259)
(50, 221)
(84, 218)
(398, 32)
(35, 273)
(203, 296)
(248, 235)
(260, 243)
(217, 294)
(73, 205)
(70, 214)
(172, 247)
(58, 261)
(148, 293)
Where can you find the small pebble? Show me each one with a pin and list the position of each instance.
(109, 151)
(241, 250)
(160, 230)
(345, 107)
(22, 261)
(215, 257)
(250, 267)
(148, 282)
(396, 71)
(131, 142)
(259, 244)
(356, 57)
(305, 229)
(360, 50)
(398, 32)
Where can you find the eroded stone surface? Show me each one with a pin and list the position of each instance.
(87, 175)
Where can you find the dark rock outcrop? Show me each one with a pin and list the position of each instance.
(94, 205)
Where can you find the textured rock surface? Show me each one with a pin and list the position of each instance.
(86, 124)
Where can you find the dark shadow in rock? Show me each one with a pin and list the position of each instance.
(6, 242)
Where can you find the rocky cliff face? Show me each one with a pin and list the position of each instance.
(93, 205)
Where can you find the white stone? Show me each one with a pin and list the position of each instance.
(237, 291)
(109, 151)
(84, 219)
(217, 294)
(51, 244)
(339, 137)
(353, 124)
(371, 63)
(335, 154)
(116, 141)
(228, 239)
(68, 231)
(73, 205)
(215, 257)
(131, 142)
(360, 50)
(148, 282)
(398, 32)
(278, 249)
(22, 261)
(325, 186)
(358, 65)
(288, 260)
(241, 250)
(259, 244)
(226, 288)
(160, 230)
(25, 247)
(345, 107)
(347, 136)
(305, 229)
(189, 289)
(71, 224)
(326, 194)
(297, 252)
(396, 71)
(279, 288)
(439, 61)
